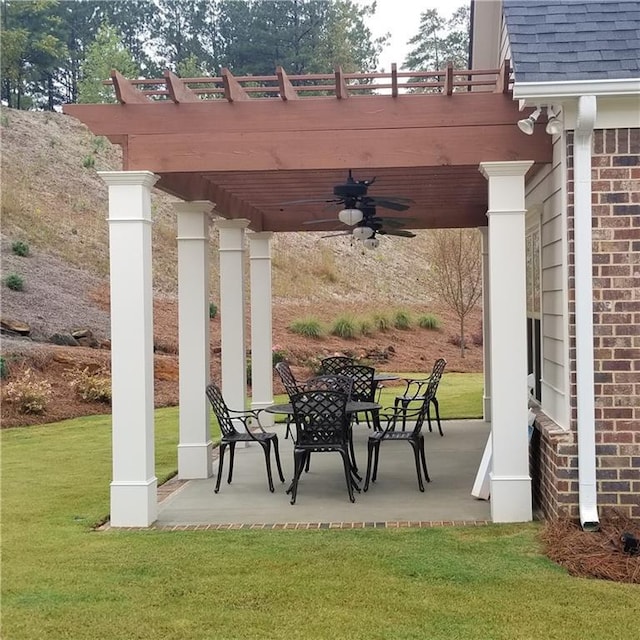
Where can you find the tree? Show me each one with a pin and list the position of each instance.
(107, 52)
(440, 41)
(456, 271)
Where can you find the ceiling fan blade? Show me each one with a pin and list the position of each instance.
(335, 235)
(310, 200)
(391, 222)
(321, 221)
(389, 204)
(403, 233)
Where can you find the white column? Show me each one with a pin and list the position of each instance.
(232, 311)
(261, 323)
(486, 326)
(194, 448)
(510, 480)
(134, 484)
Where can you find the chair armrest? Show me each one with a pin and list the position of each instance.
(414, 386)
(245, 416)
(394, 416)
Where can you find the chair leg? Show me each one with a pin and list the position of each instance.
(298, 463)
(352, 453)
(424, 460)
(223, 447)
(429, 415)
(276, 453)
(307, 461)
(376, 457)
(435, 404)
(405, 408)
(416, 456)
(288, 433)
(266, 448)
(347, 473)
(371, 445)
(232, 453)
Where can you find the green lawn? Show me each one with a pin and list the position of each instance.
(60, 579)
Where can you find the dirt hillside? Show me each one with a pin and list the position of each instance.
(54, 201)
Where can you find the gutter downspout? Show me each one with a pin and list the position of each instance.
(583, 256)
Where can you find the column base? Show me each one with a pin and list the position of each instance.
(194, 461)
(511, 499)
(134, 504)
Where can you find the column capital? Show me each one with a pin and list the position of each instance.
(235, 223)
(129, 178)
(194, 206)
(507, 168)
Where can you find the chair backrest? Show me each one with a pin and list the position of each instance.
(333, 364)
(288, 379)
(363, 385)
(434, 378)
(320, 417)
(220, 410)
(329, 382)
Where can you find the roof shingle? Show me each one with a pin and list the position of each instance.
(562, 40)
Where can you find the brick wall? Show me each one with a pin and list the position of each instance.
(616, 293)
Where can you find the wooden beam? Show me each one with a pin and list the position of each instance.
(287, 90)
(394, 80)
(126, 93)
(178, 90)
(342, 90)
(502, 81)
(448, 79)
(427, 146)
(466, 108)
(233, 91)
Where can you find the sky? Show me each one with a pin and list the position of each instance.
(402, 19)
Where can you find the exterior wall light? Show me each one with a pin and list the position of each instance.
(527, 124)
(554, 125)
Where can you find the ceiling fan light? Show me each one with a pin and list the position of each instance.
(350, 216)
(362, 233)
(371, 243)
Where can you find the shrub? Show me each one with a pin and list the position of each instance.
(4, 368)
(213, 310)
(278, 354)
(90, 386)
(249, 371)
(14, 282)
(89, 162)
(428, 321)
(381, 322)
(401, 320)
(28, 394)
(343, 327)
(20, 248)
(308, 327)
(457, 341)
(477, 338)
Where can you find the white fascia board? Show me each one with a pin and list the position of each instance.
(546, 92)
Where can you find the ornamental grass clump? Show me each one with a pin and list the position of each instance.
(308, 327)
(27, 394)
(429, 321)
(344, 327)
(402, 320)
(381, 322)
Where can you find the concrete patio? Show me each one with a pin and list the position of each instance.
(452, 461)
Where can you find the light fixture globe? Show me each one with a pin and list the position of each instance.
(350, 216)
(362, 233)
(371, 243)
(554, 126)
(527, 125)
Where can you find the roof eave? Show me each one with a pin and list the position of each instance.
(545, 91)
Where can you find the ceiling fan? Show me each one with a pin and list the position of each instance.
(367, 226)
(353, 194)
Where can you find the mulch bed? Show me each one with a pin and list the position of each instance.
(597, 554)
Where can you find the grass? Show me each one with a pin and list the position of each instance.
(62, 580)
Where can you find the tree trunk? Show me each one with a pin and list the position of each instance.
(462, 336)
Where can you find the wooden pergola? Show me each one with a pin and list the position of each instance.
(245, 146)
(249, 144)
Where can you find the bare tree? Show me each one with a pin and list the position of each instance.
(456, 271)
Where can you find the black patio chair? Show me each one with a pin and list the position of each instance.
(291, 386)
(333, 364)
(414, 437)
(329, 382)
(418, 389)
(364, 388)
(322, 426)
(231, 436)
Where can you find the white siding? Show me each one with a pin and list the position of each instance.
(546, 193)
